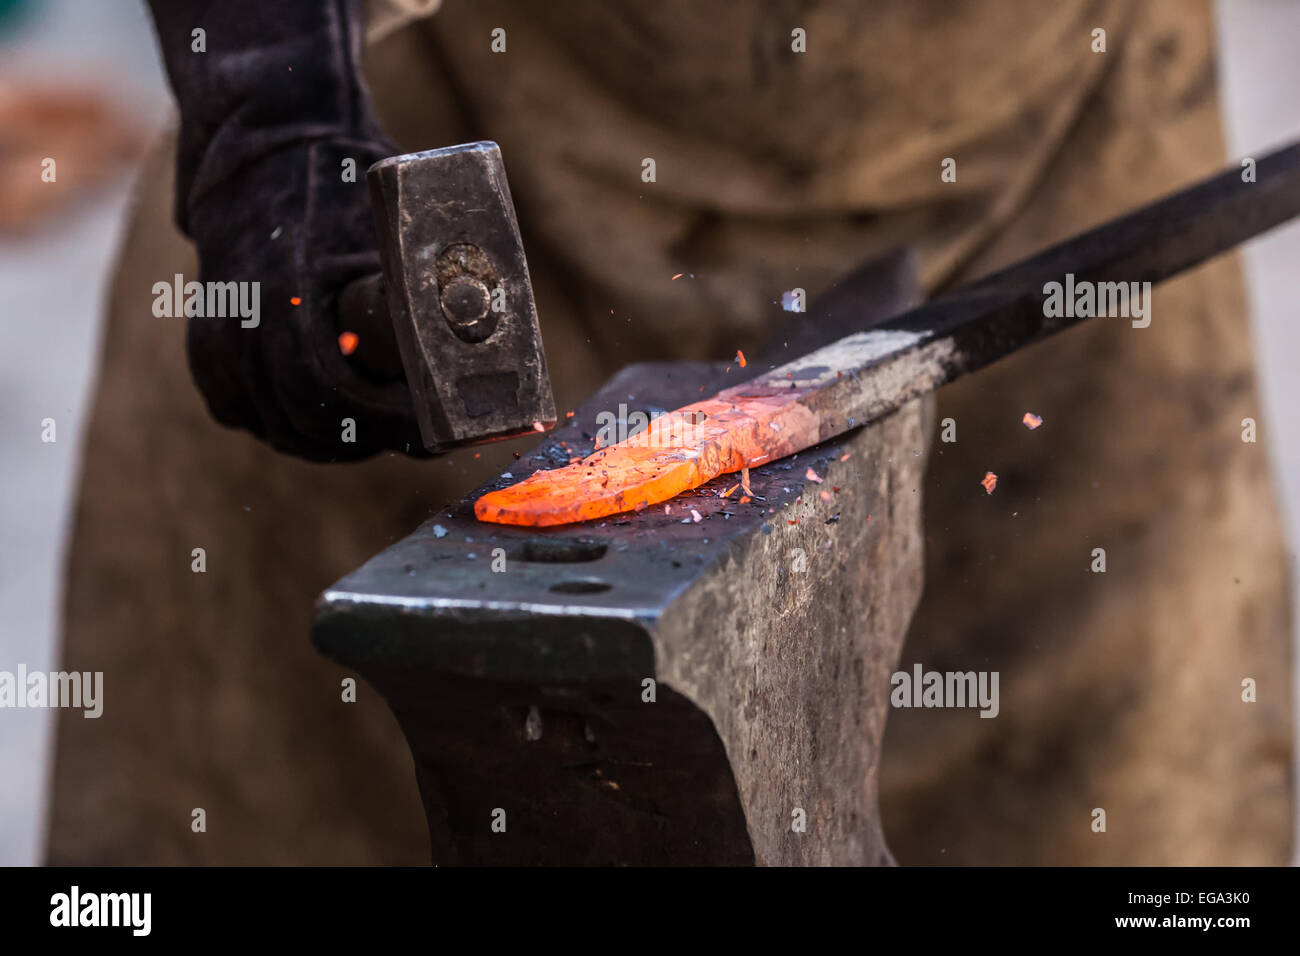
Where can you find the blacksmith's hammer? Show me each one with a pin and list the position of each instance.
(454, 298)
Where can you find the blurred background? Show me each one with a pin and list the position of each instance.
(101, 93)
(81, 80)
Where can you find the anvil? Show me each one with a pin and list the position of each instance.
(706, 681)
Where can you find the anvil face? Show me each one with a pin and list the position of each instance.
(439, 584)
(618, 575)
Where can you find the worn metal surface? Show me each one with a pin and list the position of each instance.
(770, 630)
(459, 295)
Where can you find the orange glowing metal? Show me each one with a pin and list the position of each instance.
(678, 451)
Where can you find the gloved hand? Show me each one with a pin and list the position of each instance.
(271, 109)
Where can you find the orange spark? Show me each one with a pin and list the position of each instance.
(348, 342)
(990, 482)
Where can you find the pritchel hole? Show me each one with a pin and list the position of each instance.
(580, 587)
(561, 550)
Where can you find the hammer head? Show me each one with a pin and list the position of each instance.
(459, 295)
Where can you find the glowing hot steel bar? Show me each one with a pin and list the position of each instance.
(678, 451)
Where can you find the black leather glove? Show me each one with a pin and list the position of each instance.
(269, 113)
